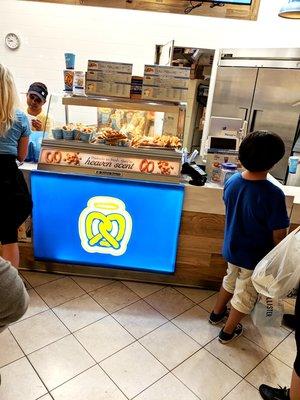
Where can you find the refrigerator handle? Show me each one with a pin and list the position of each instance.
(246, 112)
(253, 121)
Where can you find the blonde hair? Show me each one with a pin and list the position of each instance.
(8, 100)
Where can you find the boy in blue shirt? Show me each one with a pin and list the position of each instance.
(256, 221)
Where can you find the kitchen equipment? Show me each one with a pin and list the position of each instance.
(224, 126)
(214, 160)
(222, 142)
(262, 87)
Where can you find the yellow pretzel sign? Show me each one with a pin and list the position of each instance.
(105, 226)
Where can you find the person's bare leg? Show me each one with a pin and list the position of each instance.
(10, 252)
(233, 319)
(295, 387)
(223, 298)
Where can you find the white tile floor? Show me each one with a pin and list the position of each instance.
(90, 339)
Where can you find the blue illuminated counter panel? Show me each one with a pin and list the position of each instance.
(114, 223)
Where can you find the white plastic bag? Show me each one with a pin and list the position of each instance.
(278, 273)
(267, 312)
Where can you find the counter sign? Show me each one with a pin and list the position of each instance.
(105, 226)
(108, 223)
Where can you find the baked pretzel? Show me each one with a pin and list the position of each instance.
(147, 166)
(49, 157)
(57, 157)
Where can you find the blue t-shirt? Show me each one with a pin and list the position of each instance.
(20, 127)
(254, 209)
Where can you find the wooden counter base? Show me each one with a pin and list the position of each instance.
(199, 261)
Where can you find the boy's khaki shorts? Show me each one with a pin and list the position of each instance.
(238, 282)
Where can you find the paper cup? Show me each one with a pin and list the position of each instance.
(85, 137)
(293, 164)
(70, 60)
(68, 79)
(68, 135)
(57, 133)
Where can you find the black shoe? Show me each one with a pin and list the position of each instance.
(289, 320)
(216, 319)
(228, 337)
(269, 393)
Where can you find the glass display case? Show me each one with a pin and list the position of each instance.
(114, 137)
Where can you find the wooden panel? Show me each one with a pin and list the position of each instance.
(201, 243)
(204, 199)
(186, 274)
(202, 224)
(199, 260)
(172, 6)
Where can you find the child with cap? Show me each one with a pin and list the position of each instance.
(36, 98)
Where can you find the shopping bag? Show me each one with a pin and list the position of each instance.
(278, 273)
(267, 312)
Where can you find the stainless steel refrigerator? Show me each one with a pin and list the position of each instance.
(263, 87)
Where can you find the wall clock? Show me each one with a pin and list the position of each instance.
(12, 41)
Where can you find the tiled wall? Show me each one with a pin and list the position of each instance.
(49, 30)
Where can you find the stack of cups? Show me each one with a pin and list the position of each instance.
(293, 164)
(69, 72)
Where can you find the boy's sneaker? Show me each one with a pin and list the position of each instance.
(216, 319)
(269, 393)
(228, 337)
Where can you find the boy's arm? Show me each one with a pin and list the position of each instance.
(279, 235)
(278, 219)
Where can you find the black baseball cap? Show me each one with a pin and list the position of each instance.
(39, 89)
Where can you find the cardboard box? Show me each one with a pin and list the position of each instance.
(105, 78)
(165, 83)
(113, 89)
(100, 76)
(109, 67)
(164, 93)
(179, 72)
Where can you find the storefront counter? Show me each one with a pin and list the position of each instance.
(199, 262)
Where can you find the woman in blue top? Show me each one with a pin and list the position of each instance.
(15, 201)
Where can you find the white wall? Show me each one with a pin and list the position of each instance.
(48, 30)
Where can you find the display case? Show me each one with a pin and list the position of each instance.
(114, 137)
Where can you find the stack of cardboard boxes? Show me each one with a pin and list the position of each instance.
(165, 83)
(108, 79)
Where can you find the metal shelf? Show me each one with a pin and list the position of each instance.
(127, 104)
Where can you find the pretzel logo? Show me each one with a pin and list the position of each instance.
(105, 226)
(147, 166)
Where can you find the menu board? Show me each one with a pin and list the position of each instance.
(165, 83)
(105, 78)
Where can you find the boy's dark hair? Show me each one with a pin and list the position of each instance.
(261, 150)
